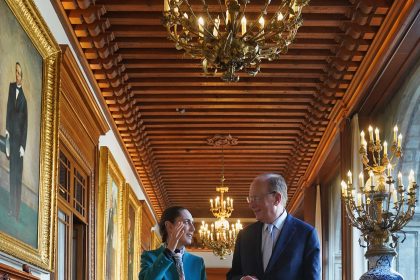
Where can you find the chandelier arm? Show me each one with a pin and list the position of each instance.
(196, 19)
(263, 11)
(209, 16)
(360, 212)
(399, 215)
(241, 15)
(370, 222)
(179, 18)
(350, 211)
(222, 12)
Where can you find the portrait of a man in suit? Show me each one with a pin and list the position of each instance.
(22, 120)
(16, 133)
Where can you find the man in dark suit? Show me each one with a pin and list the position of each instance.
(278, 246)
(16, 131)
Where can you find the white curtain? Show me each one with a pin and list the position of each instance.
(358, 262)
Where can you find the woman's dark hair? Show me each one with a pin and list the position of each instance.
(170, 214)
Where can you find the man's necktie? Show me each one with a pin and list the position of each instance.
(268, 245)
(179, 266)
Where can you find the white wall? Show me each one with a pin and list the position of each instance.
(210, 260)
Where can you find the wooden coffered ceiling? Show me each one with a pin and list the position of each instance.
(165, 108)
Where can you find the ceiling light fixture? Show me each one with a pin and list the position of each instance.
(229, 38)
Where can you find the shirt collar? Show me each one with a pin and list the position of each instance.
(279, 221)
(178, 251)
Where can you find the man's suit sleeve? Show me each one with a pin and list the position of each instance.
(312, 258)
(152, 268)
(235, 273)
(9, 109)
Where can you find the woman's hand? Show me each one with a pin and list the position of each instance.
(174, 236)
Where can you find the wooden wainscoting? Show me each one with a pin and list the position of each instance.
(216, 273)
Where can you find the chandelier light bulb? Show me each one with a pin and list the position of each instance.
(243, 24)
(377, 134)
(370, 129)
(201, 26)
(361, 180)
(395, 133)
(349, 175)
(261, 22)
(385, 148)
(399, 179)
(389, 168)
(362, 137)
(343, 188)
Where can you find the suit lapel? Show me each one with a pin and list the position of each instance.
(172, 272)
(286, 235)
(185, 263)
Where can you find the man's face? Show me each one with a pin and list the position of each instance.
(18, 75)
(187, 220)
(263, 203)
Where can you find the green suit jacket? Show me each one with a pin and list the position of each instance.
(156, 266)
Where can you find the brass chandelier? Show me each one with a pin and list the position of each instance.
(226, 39)
(382, 205)
(221, 236)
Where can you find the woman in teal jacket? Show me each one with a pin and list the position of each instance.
(176, 228)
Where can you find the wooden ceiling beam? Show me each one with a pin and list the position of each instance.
(164, 43)
(180, 64)
(229, 91)
(133, 18)
(315, 6)
(174, 54)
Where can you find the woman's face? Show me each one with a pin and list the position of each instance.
(187, 220)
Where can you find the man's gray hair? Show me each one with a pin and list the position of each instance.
(276, 183)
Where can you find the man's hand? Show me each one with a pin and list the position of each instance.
(174, 236)
(22, 151)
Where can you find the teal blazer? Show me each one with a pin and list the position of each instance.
(156, 266)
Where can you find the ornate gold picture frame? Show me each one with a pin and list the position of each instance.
(132, 236)
(29, 91)
(111, 217)
(155, 240)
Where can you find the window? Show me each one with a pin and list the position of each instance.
(72, 219)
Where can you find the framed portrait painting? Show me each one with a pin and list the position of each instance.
(29, 91)
(111, 214)
(132, 235)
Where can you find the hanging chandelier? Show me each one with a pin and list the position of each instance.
(221, 236)
(227, 39)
